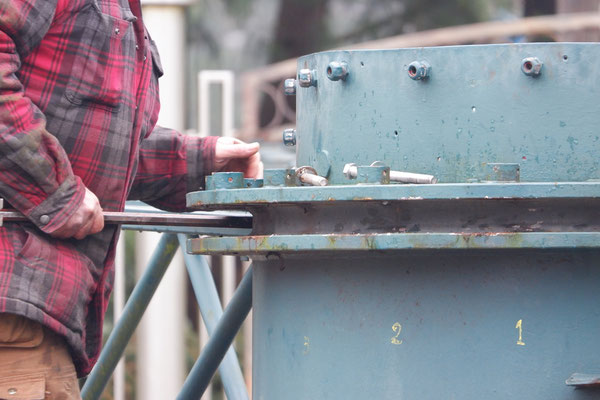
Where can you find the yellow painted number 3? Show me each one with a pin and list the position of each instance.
(396, 328)
(519, 326)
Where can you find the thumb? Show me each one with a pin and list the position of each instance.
(240, 150)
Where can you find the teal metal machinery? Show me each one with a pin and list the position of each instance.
(440, 238)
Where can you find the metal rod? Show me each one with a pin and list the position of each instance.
(309, 176)
(208, 219)
(351, 172)
(132, 313)
(409, 177)
(210, 307)
(222, 337)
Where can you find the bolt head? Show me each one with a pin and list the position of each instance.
(306, 78)
(289, 137)
(348, 168)
(289, 87)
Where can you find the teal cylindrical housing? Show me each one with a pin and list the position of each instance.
(483, 285)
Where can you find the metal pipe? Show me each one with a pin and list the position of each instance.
(223, 335)
(204, 219)
(132, 313)
(210, 307)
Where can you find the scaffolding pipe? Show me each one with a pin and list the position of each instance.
(210, 307)
(222, 337)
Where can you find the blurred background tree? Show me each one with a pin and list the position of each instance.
(240, 35)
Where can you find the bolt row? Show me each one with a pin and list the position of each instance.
(417, 70)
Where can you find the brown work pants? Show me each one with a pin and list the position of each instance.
(34, 362)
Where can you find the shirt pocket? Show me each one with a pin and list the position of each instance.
(98, 55)
(19, 332)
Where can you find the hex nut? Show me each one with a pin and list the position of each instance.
(306, 78)
(350, 170)
(531, 66)
(289, 87)
(419, 70)
(289, 137)
(337, 70)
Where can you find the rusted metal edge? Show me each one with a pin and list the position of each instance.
(255, 245)
(239, 198)
(584, 380)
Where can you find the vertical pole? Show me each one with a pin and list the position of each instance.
(118, 303)
(226, 80)
(132, 313)
(247, 335)
(229, 278)
(205, 80)
(161, 339)
(203, 339)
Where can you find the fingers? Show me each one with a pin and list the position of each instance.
(226, 151)
(254, 167)
(234, 155)
(94, 224)
(85, 228)
(87, 219)
(98, 222)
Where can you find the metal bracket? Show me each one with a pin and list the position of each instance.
(503, 172)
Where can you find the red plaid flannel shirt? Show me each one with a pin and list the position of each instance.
(78, 107)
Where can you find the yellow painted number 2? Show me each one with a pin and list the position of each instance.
(519, 326)
(396, 328)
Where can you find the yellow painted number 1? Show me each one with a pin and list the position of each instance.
(519, 326)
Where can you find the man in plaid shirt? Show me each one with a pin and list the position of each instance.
(78, 108)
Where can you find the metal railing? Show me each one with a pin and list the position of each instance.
(222, 325)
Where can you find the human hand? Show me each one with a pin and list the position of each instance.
(234, 155)
(87, 220)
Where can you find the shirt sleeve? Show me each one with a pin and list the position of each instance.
(170, 165)
(35, 173)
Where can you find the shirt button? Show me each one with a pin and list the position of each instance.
(137, 47)
(44, 219)
(117, 30)
(145, 58)
(136, 107)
